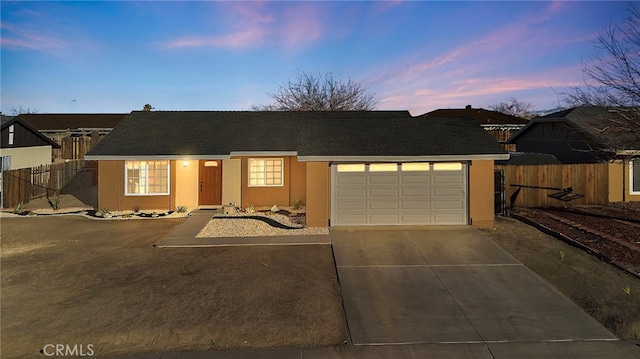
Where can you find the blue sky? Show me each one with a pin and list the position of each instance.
(413, 55)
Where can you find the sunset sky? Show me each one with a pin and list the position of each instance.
(94, 56)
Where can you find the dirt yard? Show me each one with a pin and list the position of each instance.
(73, 280)
(599, 288)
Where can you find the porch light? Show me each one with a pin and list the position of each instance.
(185, 163)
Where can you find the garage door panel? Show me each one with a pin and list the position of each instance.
(408, 179)
(383, 218)
(404, 197)
(416, 205)
(448, 192)
(351, 193)
(381, 179)
(351, 179)
(447, 218)
(448, 180)
(352, 206)
(383, 192)
(352, 219)
(456, 205)
(416, 192)
(390, 205)
(421, 218)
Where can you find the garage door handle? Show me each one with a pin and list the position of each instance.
(200, 186)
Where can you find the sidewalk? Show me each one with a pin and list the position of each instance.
(511, 350)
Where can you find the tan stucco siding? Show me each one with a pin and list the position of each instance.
(26, 157)
(232, 181)
(481, 196)
(111, 190)
(298, 181)
(318, 193)
(186, 183)
(619, 183)
(266, 196)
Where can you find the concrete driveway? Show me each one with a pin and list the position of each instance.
(409, 285)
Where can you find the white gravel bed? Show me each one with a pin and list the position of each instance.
(230, 227)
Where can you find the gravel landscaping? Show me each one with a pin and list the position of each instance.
(248, 227)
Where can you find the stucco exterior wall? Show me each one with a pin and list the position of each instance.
(298, 181)
(232, 181)
(186, 183)
(268, 196)
(318, 195)
(619, 183)
(26, 157)
(481, 196)
(111, 190)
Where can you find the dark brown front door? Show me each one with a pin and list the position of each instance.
(210, 182)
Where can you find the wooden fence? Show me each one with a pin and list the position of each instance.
(73, 148)
(590, 180)
(22, 185)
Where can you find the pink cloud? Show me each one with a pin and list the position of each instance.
(17, 38)
(254, 24)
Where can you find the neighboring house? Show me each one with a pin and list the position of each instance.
(501, 126)
(349, 168)
(588, 135)
(22, 145)
(75, 132)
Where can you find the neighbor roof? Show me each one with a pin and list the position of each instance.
(480, 115)
(72, 121)
(322, 135)
(6, 121)
(602, 124)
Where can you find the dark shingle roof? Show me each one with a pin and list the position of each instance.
(330, 133)
(480, 115)
(72, 121)
(419, 136)
(610, 128)
(4, 120)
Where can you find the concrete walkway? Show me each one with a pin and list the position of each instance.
(185, 235)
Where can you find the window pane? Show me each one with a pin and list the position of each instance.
(417, 166)
(447, 166)
(383, 167)
(635, 175)
(351, 167)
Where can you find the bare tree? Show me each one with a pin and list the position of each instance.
(21, 111)
(514, 107)
(315, 92)
(612, 80)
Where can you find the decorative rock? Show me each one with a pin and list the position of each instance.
(275, 209)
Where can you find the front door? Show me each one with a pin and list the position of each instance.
(210, 183)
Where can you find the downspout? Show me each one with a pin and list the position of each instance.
(624, 183)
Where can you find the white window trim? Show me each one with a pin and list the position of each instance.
(11, 134)
(126, 187)
(265, 185)
(631, 191)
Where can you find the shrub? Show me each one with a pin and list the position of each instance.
(181, 209)
(297, 203)
(20, 208)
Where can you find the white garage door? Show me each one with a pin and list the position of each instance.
(399, 193)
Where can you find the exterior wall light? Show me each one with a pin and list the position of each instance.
(185, 163)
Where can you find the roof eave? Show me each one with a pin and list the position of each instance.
(426, 158)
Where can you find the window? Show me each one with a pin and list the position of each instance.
(11, 134)
(415, 166)
(351, 167)
(266, 172)
(146, 177)
(383, 167)
(634, 176)
(447, 166)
